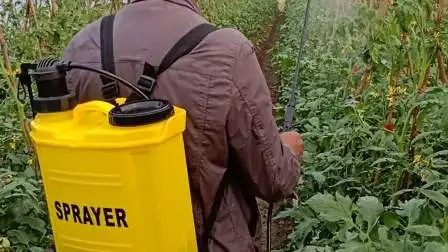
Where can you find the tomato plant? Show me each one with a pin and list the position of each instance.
(372, 112)
(250, 17)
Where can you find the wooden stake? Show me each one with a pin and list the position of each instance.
(32, 6)
(440, 58)
(54, 8)
(383, 5)
(4, 50)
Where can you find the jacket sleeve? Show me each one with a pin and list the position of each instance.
(271, 168)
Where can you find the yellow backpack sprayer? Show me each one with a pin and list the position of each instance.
(106, 169)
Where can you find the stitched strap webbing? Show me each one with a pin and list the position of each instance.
(110, 87)
(185, 45)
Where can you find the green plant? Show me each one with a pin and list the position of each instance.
(250, 17)
(372, 112)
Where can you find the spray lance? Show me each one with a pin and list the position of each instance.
(290, 108)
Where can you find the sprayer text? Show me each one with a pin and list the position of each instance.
(111, 217)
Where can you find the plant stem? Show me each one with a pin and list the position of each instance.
(440, 58)
(4, 50)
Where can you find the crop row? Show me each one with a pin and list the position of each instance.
(372, 109)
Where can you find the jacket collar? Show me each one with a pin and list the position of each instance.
(185, 3)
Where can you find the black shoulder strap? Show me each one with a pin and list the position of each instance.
(110, 87)
(183, 47)
(219, 196)
(230, 177)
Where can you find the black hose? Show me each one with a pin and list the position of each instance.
(110, 75)
(268, 229)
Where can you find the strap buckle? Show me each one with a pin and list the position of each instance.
(110, 90)
(146, 84)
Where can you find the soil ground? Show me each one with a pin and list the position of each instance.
(281, 228)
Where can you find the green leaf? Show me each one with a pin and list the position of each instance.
(424, 230)
(374, 148)
(383, 233)
(411, 209)
(435, 247)
(11, 186)
(34, 223)
(357, 247)
(343, 181)
(329, 209)
(391, 220)
(317, 249)
(37, 249)
(345, 202)
(18, 236)
(435, 196)
(305, 227)
(319, 177)
(384, 160)
(370, 209)
(401, 192)
(440, 153)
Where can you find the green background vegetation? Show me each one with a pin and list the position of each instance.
(373, 111)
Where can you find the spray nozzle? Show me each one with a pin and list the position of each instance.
(50, 80)
(52, 91)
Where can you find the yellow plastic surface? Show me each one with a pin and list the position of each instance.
(120, 100)
(112, 188)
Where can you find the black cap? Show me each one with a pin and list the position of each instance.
(141, 113)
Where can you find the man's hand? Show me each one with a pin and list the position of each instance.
(294, 141)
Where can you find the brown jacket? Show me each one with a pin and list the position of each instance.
(230, 122)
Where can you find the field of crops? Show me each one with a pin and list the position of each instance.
(373, 111)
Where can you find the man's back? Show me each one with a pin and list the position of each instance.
(229, 124)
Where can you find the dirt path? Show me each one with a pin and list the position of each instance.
(280, 229)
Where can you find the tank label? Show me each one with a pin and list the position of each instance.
(110, 217)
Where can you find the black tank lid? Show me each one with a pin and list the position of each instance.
(141, 113)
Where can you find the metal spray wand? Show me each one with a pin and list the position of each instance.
(290, 109)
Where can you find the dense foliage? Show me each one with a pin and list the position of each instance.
(23, 214)
(251, 17)
(373, 110)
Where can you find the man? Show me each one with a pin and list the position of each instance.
(230, 126)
